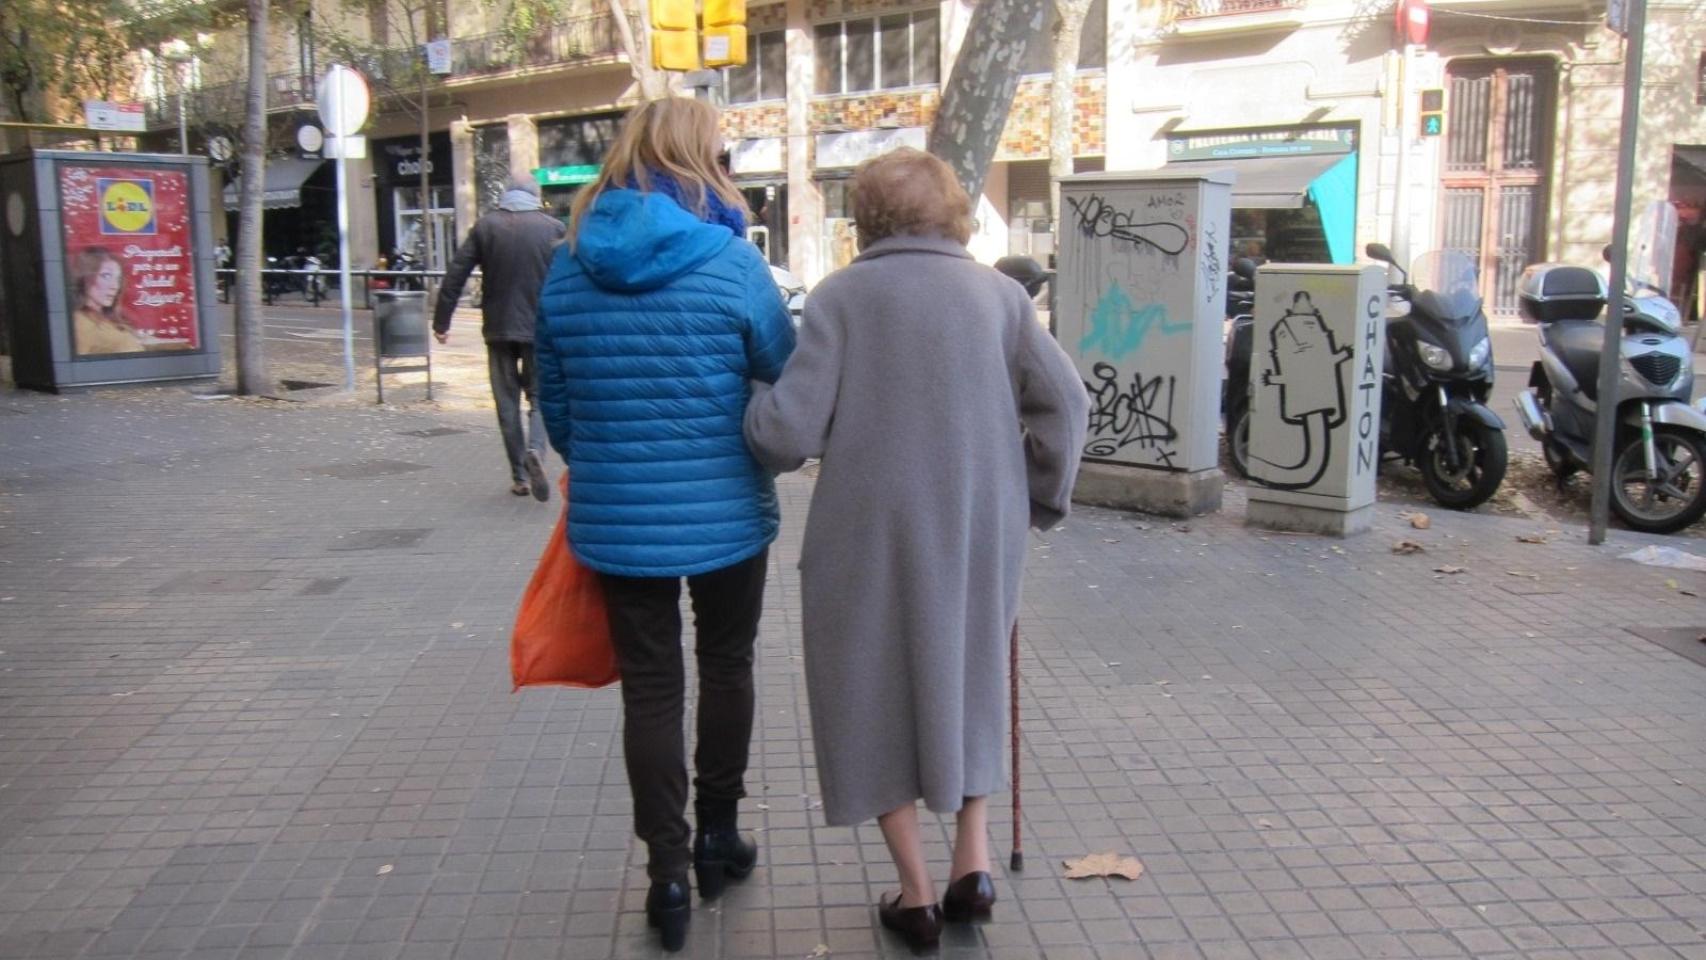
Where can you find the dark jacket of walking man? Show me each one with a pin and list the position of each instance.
(512, 246)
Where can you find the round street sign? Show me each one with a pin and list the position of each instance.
(343, 101)
(309, 138)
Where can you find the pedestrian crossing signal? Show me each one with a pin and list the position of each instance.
(675, 34)
(1433, 112)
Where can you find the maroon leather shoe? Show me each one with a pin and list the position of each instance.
(920, 927)
(971, 897)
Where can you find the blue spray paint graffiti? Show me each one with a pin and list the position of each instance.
(1118, 330)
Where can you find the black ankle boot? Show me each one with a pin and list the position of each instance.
(668, 907)
(720, 850)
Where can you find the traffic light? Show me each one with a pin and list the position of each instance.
(675, 35)
(725, 33)
(1433, 112)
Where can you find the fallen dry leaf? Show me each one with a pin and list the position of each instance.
(1103, 865)
(818, 952)
(1448, 569)
(1519, 573)
(1407, 547)
(1532, 538)
(1420, 521)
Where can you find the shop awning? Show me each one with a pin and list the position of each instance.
(1328, 180)
(284, 180)
(1271, 183)
(1692, 160)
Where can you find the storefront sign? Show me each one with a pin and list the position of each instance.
(855, 147)
(571, 176)
(129, 256)
(117, 117)
(398, 160)
(756, 156)
(1261, 143)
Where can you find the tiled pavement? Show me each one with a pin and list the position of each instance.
(254, 703)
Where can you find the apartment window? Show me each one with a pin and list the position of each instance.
(878, 53)
(765, 75)
(1092, 45)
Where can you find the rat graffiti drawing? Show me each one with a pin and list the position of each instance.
(1305, 362)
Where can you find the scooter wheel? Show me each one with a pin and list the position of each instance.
(1670, 502)
(1558, 462)
(1238, 438)
(1481, 461)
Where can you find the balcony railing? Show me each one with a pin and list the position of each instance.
(226, 100)
(575, 40)
(1199, 9)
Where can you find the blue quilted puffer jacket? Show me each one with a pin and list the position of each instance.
(649, 334)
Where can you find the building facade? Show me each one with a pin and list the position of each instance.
(1311, 103)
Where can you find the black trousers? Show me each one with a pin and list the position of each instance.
(645, 628)
(510, 365)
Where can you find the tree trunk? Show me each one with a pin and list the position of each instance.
(427, 284)
(653, 84)
(251, 342)
(979, 93)
(1068, 31)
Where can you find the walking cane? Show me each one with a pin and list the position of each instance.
(1017, 862)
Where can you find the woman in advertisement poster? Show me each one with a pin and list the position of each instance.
(98, 317)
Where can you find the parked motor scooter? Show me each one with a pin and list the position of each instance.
(793, 292)
(1439, 373)
(1235, 389)
(404, 262)
(1659, 448)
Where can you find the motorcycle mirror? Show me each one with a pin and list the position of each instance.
(1379, 251)
(1244, 267)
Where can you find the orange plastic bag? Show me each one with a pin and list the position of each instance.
(561, 636)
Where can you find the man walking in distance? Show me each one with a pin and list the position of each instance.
(512, 246)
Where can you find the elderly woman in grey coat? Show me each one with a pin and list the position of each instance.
(948, 422)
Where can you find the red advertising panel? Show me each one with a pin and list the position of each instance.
(129, 260)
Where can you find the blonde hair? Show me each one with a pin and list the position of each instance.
(908, 192)
(676, 137)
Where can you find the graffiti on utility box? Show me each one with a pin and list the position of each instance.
(1315, 384)
(1139, 290)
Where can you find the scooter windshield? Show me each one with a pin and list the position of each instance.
(1450, 276)
(1652, 250)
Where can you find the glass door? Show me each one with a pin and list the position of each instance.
(427, 234)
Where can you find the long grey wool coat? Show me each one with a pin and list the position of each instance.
(948, 421)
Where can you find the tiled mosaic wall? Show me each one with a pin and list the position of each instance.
(769, 17)
(832, 9)
(893, 108)
(755, 121)
(1027, 133)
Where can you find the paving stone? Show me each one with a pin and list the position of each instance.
(256, 705)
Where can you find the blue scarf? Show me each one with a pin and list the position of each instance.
(716, 211)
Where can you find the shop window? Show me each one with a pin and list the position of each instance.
(765, 75)
(878, 53)
(1092, 46)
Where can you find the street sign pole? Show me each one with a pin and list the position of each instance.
(1401, 200)
(1633, 14)
(343, 264)
(343, 103)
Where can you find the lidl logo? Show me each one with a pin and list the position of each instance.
(127, 207)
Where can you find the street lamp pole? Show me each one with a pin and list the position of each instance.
(183, 120)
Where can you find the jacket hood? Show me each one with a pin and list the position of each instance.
(641, 241)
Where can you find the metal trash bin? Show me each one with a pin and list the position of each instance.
(400, 331)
